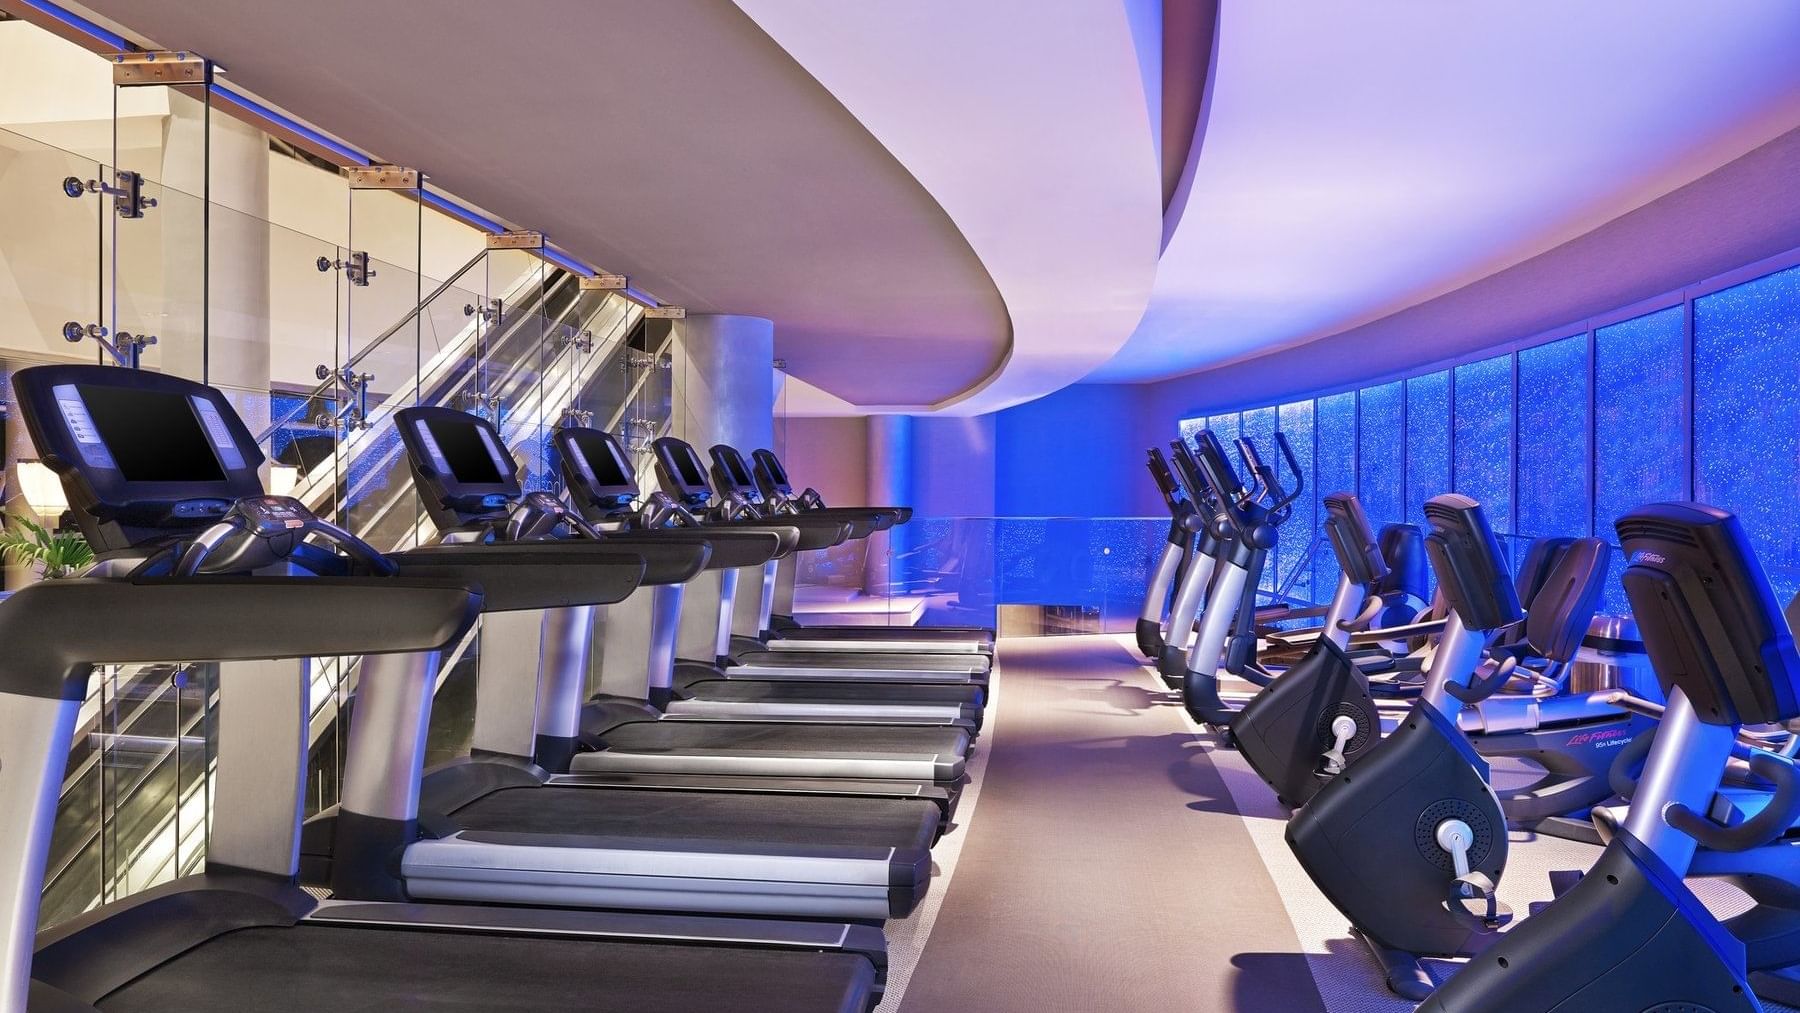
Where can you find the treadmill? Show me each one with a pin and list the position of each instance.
(683, 477)
(601, 482)
(162, 478)
(771, 479)
(465, 478)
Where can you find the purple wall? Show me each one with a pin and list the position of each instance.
(1075, 453)
(953, 466)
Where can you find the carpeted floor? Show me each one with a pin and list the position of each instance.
(1113, 857)
(1105, 866)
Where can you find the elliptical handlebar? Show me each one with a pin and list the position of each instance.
(1268, 479)
(1221, 478)
(1293, 463)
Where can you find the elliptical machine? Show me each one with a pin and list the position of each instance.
(1244, 525)
(1198, 566)
(1178, 553)
(1630, 933)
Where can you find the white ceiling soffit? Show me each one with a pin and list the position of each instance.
(1362, 158)
(1032, 130)
(672, 141)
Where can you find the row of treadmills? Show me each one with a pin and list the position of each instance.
(677, 798)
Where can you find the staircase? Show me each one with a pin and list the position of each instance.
(136, 801)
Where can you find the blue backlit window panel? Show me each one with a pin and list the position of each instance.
(1427, 441)
(1293, 571)
(1640, 453)
(1554, 469)
(1334, 423)
(1483, 431)
(1191, 428)
(1225, 427)
(1747, 415)
(1381, 443)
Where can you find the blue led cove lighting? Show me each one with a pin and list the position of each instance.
(289, 123)
(80, 24)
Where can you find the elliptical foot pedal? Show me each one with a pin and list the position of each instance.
(1404, 975)
(1564, 880)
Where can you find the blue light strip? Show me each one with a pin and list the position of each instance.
(450, 207)
(80, 24)
(290, 124)
(563, 260)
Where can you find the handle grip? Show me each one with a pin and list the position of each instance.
(1482, 688)
(1758, 830)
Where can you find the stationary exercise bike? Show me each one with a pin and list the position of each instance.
(1630, 935)
(1410, 844)
(1318, 717)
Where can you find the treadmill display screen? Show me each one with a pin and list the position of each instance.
(154, 435)
(465, 452)
(689, 468)
(735, 465)
(598, 452)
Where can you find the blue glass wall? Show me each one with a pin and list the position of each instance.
(1482, 435)
(1381, 452)
(1334, 427)
(1427, 442)
(1640, 407)
(1697, 399)
(1293, 558)
(1554, 419)
(1747, 414)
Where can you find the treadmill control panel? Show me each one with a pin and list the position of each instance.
(274, 515)
(140, 454)
(81, 426)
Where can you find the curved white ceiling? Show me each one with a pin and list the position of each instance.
(1362, 158)
(669, 140)
(1033, 132)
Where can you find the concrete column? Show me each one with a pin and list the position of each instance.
(725, 391)
(890, 484)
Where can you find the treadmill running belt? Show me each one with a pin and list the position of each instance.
(918, 634)
(379, 970)
(701, 816)
(788, 739)
(871, 661)
(969, 694)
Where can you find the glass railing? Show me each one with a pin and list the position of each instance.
(1020, 575)
(1043, 575)
(316, 356)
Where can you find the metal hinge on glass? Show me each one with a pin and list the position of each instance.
(126, 190)
(127, 349)
(355, 266)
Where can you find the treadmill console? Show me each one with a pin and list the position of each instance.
(463, 471)
(597, 471)
(679, 471)
(731, 475)
(771, 477)
(140, 454)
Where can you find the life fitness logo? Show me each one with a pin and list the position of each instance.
(1605, 738)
